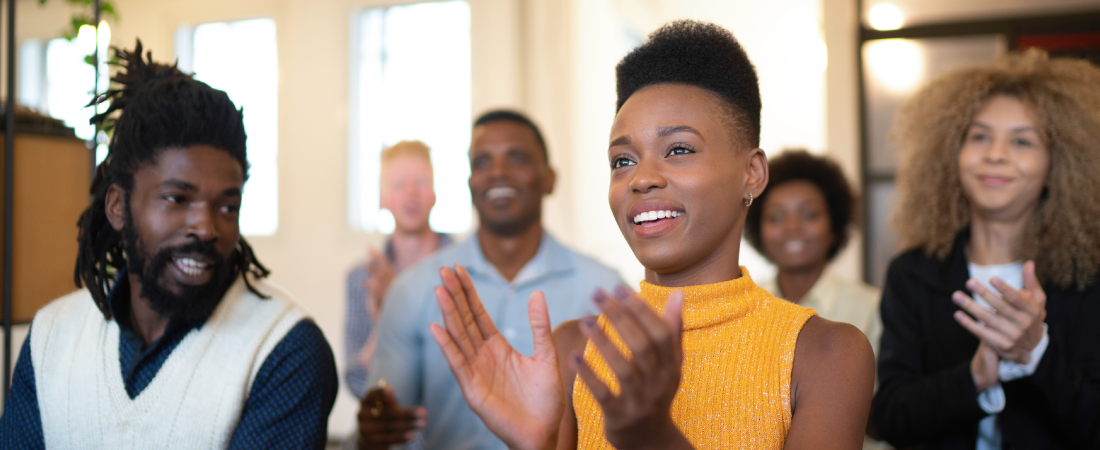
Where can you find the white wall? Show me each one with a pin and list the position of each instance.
(554, 58)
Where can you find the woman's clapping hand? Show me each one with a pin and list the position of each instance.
(520, 398)
(1014, 327)
(639, 415)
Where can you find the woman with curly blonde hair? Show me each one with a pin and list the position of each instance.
(990, 317)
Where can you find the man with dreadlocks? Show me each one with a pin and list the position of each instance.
(177, 341)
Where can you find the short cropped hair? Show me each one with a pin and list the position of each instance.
(403, 149)
(1063, 96)
(497, 115)
(699, 54)
(823, 173)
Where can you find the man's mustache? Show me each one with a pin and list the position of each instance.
(205, 249)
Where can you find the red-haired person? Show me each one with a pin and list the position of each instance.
(407, 191)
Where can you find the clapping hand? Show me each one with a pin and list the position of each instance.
(984, 367)
(519, 398)
(1015, 325)
(384, 422)
(639, 416)
(381, 272)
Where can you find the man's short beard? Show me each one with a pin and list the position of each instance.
(509, 229)
(191, 303)
(513, 227)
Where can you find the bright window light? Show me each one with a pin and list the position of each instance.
(241, 58)
(32, 74)
(411, 81)
(56, 80)
(885, 16)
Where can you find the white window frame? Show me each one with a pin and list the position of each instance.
(453, 212)
(263, 185)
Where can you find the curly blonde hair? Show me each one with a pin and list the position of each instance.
(1063, 95)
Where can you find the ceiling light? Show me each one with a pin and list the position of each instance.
(896, 64)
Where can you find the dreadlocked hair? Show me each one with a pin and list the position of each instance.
(158, 108)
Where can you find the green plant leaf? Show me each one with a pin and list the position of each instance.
(108, 9)
(75, 22)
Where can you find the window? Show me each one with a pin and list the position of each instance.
(411, 80)
(241, 59)
(54, 79)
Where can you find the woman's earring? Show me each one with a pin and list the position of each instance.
(748, 202)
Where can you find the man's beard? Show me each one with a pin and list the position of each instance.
(509, 226)
(191, 303)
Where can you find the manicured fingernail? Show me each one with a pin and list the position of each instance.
(972, 285)
(589, 322)
(957, 297)
(597, 297)
(621, 293)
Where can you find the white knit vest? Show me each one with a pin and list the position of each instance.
(197, 396)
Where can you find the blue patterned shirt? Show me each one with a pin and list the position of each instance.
(358, 323)
(287, 407)
(410, 361)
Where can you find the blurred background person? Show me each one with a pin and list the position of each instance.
(508, 257)
(408, 193)
(805, 217)
(990, 336)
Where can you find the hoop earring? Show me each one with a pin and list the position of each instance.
(748, 202)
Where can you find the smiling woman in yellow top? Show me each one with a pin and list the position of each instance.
(702, 357)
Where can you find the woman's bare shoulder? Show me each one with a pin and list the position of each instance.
(831, 385)
(568, 341)
(568, 338)
(828, 354)
(826, 339)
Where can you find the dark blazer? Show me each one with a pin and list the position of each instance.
(927, 398)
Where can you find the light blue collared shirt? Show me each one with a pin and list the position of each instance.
(409, 360)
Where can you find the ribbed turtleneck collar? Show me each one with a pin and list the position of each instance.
(709, 304)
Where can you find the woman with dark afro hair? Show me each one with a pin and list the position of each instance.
(990, 336)
(804, 219)
(702, 357)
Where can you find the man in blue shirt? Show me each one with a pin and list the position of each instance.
(509, 257)
(177, 341)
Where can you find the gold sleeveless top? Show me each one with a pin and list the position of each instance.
(734, 391)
